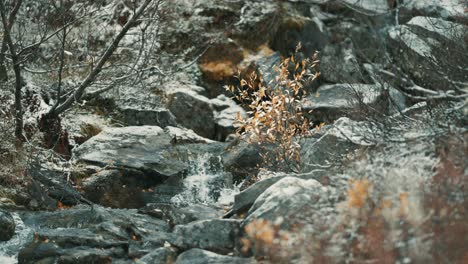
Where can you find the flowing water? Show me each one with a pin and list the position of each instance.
(9, 249)
(207, 183)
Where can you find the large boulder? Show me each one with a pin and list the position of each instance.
(91, 235)
(129, 160)
(217, 235)
(192, 110)
(450, 10)
(39, 252)
(431, 51)
(246, 198)
(7, 226)
(150, 149)
(291, 204)
(116, 188)
(334, 144)
(200, 256)
(353, 100)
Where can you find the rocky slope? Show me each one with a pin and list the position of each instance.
(156, 176)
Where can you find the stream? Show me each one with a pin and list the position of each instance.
(206, 184)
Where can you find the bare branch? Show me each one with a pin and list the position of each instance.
(97, 69)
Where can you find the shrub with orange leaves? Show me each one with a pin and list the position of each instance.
(264, 239)
(276, 119)
(358, 193)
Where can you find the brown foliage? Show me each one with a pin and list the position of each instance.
(276, 119)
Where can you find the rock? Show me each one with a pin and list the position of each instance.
(139, 116)
(450, 10)
(290, 202)
(225, 113)
(241, 159)
(39, 252)
(199, 256)
(220, 63)
(338, 64)
(330, 147)
(39, 197)
(117, 189)
(217, 235)
(159, 153)
(357, 39)
(439, 28)
(55, 184)
(257, 23)
(85, 235)
(139, 248)
(130, 160)
(294, 29)
(353, 100)
(116, 222)
(188, 35)
(428, 45)
(35, 252)
(180, 214)
(368, 7)
(184, 103)
(83, 125)
(76, 237)
(159, 256)
(246, 198)
(7, 226)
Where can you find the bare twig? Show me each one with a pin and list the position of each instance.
(97, 69)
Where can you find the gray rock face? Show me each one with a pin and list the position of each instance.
(245, 199)
(116, 188)
(428, 45)
(38, 252)
(136, 116)
(85, 235)
(180, 214)
(368, 7)
(136, 158)
(257, 22)
(435, 8)
(226, 111)
(242, 159)
(295, 28)
(199, 256)
(159, 256)
(339, 64)
(333, 101)
(217, 235)
(291, 202)
(7, 226)
(192, 111)
(336, 143)
(149, 149)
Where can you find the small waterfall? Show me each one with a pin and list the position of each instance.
(207, 183)
(9, 249)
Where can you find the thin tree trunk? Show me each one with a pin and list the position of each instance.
(16, 68)
(76, 96)
(3, 50)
